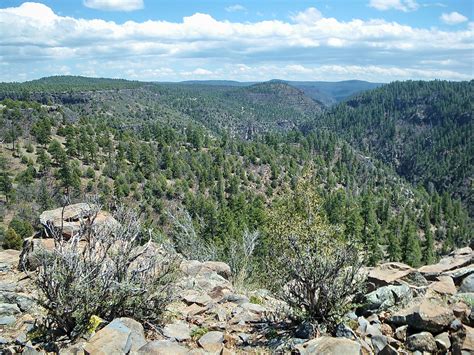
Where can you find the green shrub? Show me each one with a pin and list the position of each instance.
(23, 228)
(12, 240)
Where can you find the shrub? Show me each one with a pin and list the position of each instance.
(12, 240)
(23, 228)
(186, 239)
(106, 275)
(311, 266)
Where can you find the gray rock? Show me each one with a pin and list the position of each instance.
(467, 284)
(196, 297)
(137, 334)
(455, 325)
(379, 342)
(387, 297)
(7, 320)
(212, 341)
(162, 347)
(177, 331)
(423, 341)
(368, 329)
(329, 346)
(244, 337)
(7, 309)
(388, 350)
(443, 342)
(236, 298)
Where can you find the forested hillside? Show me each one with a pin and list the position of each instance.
(424, 130)
(173, 152)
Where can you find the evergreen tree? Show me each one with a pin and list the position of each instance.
(394, 249)
(412, 250)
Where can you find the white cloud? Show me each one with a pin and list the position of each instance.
(453, 18)
(308, 16)
(402, 5)
(235, 8)
(32, 35)
(114, 5)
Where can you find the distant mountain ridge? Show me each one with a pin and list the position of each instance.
(327, 92)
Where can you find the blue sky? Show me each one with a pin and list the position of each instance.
(161, 40)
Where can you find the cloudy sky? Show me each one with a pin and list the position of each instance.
(173, 40)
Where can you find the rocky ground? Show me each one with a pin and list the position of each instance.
(419, 311)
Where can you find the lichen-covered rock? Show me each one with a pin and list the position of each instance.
(467, 284)
(423, 341)
(388, 296)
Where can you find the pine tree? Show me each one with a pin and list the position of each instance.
(394, 237)
(412, 250)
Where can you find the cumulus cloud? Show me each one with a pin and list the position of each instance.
(308, 16)
(235, 8)
(402, 5)
(453, 18)
(32, 34)
(114, 5)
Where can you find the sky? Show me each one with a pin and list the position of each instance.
(164, 40)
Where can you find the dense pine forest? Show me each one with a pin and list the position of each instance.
(392, 167)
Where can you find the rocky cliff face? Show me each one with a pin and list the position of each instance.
(405, 310)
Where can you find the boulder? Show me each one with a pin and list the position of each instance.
(429, 316)
(386, 297)
(388, 273)
(162, 347)
(401, 333)
(137, 334)
(328, 346)
(119, 337)
(443, 342)
(467, 284)
(72, 218)
(177, 331)
(201, 299)
(195, 267)
(212, 341)
(378, 342)
(444, 286)
(423, 341)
